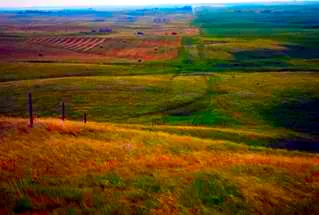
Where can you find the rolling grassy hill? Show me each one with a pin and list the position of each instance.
(230, 126)
(124, 169)
(263, 101)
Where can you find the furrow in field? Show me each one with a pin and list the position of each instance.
(82, 46)
(63, 42)
(83, 43)
(94, 45)
(57, 43)
(69, 41)
(50, 41)
(46, 40)
(75, 42)
(59, 40)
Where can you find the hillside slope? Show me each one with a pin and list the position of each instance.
(121, 169)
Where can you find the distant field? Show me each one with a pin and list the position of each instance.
(83, 49)
(254, 38)
(93, 38)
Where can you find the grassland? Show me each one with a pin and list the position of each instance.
(253, 38)
(108, 168)
(242, 100)
(215, 113)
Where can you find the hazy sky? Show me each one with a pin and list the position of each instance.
(49, 3)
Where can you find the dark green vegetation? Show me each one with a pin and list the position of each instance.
(254, 38)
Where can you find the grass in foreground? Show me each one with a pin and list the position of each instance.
(108, 168)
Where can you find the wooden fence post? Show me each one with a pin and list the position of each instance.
(30, 111)
(63, 112)
(85, 118)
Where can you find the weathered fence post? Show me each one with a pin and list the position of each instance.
(85, 118)
(63, 111)
(30, 111)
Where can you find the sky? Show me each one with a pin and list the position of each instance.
(66, 3)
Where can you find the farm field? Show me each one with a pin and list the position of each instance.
(91, 37)
(203, 110)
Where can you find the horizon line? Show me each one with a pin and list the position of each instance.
(232, 2)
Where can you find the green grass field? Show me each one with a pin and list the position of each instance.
(229, 126)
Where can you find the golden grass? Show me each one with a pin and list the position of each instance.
(214, 53)
(73, 150)
(97, 147)
(239, 44)
(269, 82)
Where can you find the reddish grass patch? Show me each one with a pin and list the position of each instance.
(88, 49)
(80, 44)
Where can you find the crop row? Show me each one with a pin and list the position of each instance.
(78, 44)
